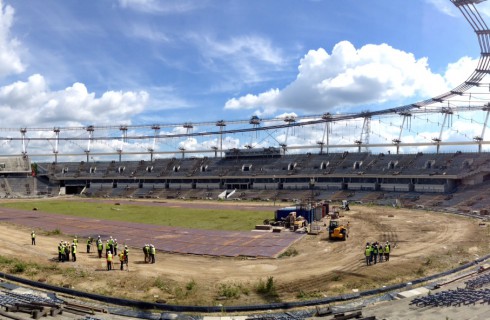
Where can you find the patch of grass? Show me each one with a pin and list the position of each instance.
(428, 262)
(5, 261)
(191, 285)
(229, 290)
(267, 287)
(308, 295)
(160, 284)
(54, 232)
(336, 277)
(290, 252)
(18, 267)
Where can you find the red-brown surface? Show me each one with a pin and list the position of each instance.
(166, 239)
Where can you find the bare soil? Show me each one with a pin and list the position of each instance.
(422, 242)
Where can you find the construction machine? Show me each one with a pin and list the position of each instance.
(337, 230)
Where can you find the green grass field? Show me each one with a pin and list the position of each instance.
(233, 220)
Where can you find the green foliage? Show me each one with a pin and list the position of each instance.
(428, 262)
(209, 219)
(336, 277)
(308, 295)
(54, 232)
(191, 285)
(290, 252)
(267, 288)
(160, 284)
(230, 291)
(6, 261)
(18, 267)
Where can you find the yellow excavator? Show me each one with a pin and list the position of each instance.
(337, 231)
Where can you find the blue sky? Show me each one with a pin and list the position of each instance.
(69, 63)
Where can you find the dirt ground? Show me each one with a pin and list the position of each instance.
(422, 242)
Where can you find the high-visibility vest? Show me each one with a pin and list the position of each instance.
(380, 249)
(99, 246)
(33, 235)
(126, 252)
(109, 257)
(387, 248)
(62, 249)
(107, 246)
(368, 251)
(153, 250)
(121, 256)
(375, 249)
(75, 241)
(59, 248)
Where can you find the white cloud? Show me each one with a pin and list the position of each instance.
(31, 103)
(161, 7)
(459, 71)
(444, 6)
(349, 77)
(10, 62)
(250, 57)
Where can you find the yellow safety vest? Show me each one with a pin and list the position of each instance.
(368, 251)
(387, 249)
(109, 257)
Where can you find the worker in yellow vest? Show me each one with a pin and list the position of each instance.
(109, 261)
(367, 252)
(121, 260)
(380, 252)
(152, 253)
(60, 252)
(100, 247)
(387, 250)
(33, 238)
(73, 252)
(89, 244)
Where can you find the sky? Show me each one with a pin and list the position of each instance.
(131, 62)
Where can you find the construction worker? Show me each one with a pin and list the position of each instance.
(387, 250)
(367, 253)
(67, 251)
(380, 252)
(375, 252)
(73, 252)
(89, 244)
(60, 252)
(108, 247)
(75, 241)
(152, 253)
(115, 247)
(126, 255)
(109, 260)
(99, 248)
(122, 260)
(146, 251)
(111, 244)
(33, 238)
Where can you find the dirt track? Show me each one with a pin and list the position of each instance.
(425, 243)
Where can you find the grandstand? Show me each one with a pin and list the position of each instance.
(363, 177)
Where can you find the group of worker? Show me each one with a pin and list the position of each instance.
(376, 251)
(110, 252)
(65, 249)
(149, 251)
